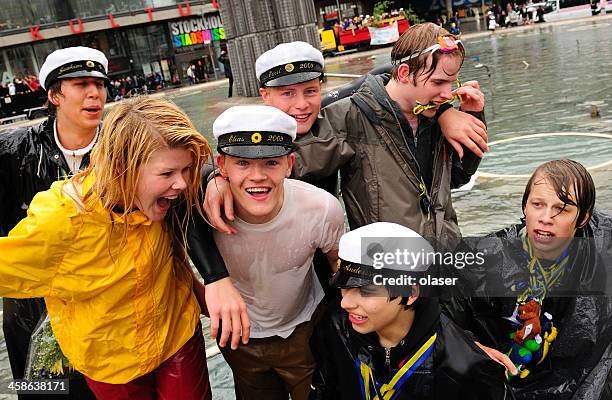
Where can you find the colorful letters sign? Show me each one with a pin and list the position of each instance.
(196, 31)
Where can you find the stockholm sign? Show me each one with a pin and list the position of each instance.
(196, 31)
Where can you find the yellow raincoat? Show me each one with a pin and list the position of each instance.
(118, 309)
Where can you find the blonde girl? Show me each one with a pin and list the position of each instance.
(105, 250)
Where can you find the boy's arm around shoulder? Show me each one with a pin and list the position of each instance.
(222, 301)
(203, 250)
(201, 243)
(325, 149)
(463, 168)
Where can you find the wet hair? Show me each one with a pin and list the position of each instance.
(566, 177)
(132, 131)
(395, 292)
(404, 302)
(418, 38)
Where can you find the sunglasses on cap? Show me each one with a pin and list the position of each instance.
(446, 44)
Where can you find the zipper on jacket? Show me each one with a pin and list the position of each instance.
(387, 356)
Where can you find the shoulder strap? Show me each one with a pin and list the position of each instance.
(384, 134)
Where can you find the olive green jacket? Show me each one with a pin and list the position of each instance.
(377, 172)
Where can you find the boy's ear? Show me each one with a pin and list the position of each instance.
(290, 162)
(265, 95)
(221, 164)
(52, 97)
(403, 74)
(414, 296)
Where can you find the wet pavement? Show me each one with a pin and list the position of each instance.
(542, 81)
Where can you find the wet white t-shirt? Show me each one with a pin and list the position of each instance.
(271, 264)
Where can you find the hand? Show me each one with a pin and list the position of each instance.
(218, 194)
(472, 98)
(460, 128)
(499, 358)
(225, 304)
(333, 258)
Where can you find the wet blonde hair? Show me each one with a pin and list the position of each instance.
(132, 131)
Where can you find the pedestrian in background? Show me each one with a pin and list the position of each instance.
(191, 74)
(227, 67)
(492, 24)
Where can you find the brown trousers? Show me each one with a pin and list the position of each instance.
(272, 368)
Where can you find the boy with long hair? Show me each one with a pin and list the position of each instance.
(33, 157)
(554, 322)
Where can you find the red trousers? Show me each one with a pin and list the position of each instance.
(183, 376)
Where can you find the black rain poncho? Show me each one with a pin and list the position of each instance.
(580, 359)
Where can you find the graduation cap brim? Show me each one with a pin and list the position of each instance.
(343, 280)
(256, 151)
(293, 79)
(84, 74)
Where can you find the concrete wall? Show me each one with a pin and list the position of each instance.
(254, 26)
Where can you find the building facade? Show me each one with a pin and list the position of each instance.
(139, 37)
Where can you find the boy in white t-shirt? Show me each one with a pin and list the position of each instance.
(281, 222)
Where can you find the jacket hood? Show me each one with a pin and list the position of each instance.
(374, 87)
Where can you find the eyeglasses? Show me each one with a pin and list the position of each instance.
(420, 107)
(446, 44)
